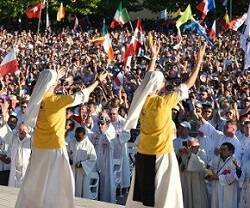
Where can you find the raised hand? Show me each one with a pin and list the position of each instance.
(102, 76)
(155, 49)
(201, 54)
(61, 72)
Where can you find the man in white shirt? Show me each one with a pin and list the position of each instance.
(245, 139)
(6, 139)
(120, 145)
(82, 157)
(193, 163)
(223, 177)
(219, 137)
(103, 142)
(183, 135)
(18, 156)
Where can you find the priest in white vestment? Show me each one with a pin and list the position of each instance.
(104, 150)
(244, 181)
(224, 179)
(192, 171)
(245, 140)
(82, 157)
(219, 137)
(120, 145)
(19, 156)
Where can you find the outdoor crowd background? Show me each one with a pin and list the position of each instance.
(223, 84)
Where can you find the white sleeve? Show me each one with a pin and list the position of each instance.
(209, 130)
(196, 164)
(182, 91)
(81, 97)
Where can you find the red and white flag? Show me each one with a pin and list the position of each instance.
(205, 6)
(34, 11)
(9, 63)
(212, 32)
(237, 22)
(136, 42)
(118, 80)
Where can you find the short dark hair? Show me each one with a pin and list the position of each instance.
(80, 130)
(229, 146)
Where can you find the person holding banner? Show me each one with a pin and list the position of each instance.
(49, 180)
(156, 181)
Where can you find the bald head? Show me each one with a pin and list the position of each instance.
(23, 131)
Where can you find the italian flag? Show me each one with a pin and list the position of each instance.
(121, 17)
(9, 63)
(107, 43)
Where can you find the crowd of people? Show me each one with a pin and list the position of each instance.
(212, 141)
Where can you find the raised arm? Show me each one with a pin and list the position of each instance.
(155, 49)
(191, 81)
(100, 78)
(83, 95)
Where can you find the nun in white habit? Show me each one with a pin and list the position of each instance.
(156, 180)
(49, 181)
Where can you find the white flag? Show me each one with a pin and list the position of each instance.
(225, 3)
(164, 14)
(245, 40)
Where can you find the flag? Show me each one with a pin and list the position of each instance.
(35, 11)
(136, 41)
(164, 14)
(107, 43)
(9, 63)
(245, 40)
(187, 15)
(196, 27)
(176, 14)
(225, 3)
(237, 22)
(205, 6)
(225, 21)
(76, 24)
(97, 40)
(150, 40)
(212, 32)
(118, 80)
(179, 39)
(60, 13)
(121, 17)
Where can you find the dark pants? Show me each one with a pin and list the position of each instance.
(144, 187)
(4, 177)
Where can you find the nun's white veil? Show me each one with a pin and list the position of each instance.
(152, 82)
(45, 81)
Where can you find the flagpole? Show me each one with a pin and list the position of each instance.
(39, 21)
(231, 9)
(131, 26)
(47, 14)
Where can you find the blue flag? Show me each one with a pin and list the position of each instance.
(196, 27)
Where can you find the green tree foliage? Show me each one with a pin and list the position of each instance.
(11, 9)
(80, 7)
